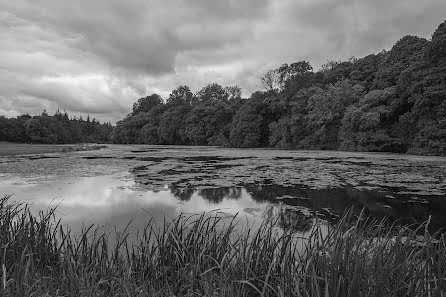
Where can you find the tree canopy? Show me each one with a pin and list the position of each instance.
(59, 128)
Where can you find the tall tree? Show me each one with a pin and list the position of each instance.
(212, 91)
(181, 95)
(145, 104)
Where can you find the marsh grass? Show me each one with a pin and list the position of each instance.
(206, 255)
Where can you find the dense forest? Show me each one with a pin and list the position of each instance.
(392, 101)
(58, 128)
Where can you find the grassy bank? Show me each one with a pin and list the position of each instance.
(206, 256)
(9, 148)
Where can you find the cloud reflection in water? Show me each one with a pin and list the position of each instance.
(115, 200)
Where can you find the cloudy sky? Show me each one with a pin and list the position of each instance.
(98, 57)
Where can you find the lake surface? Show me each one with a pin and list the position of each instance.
(112, 186)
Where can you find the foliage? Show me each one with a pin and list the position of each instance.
(181, 95)
(246, 127)
(128, 130)
(366, 125)
(206, 122)
(326, 109)
(146, 104)
(172, 126)
(212, 91)
(270, 80)
(58, 128)
(405, 53)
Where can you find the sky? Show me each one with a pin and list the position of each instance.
(98, 57)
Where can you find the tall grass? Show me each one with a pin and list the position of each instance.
(206, 255)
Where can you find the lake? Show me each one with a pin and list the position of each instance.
(123, 183)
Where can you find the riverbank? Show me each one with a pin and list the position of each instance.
(205, 255)
(11, 148)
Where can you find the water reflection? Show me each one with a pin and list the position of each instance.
(182, 193)
(116, 199)
(299, 205)
(290, 218)
(330, 203)
(216, 195)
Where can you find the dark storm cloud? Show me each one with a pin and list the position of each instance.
(99, 56)
(360, 27)
(140, 35)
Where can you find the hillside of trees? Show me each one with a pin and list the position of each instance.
(58, 128)
(392, 101)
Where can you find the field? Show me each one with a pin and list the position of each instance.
(9, 148)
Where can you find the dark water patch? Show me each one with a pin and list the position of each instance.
(198, 162)
(144, 151)
(185, 171)
(170, 172)
(283, 158)
(262, 167)
(154, 159)
(184, 148)
(302, 159)
(152, 182)
(213, 159)
(354, 157)
(128, 158)
(42, 157)
(139, 168)
(97, 157)
(326, 158)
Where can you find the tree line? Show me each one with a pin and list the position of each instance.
(392, 101)
(56, 129)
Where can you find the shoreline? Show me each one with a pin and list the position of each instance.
(13, 149)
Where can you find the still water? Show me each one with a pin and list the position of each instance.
(114, 186)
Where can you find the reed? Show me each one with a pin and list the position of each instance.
(207, 255)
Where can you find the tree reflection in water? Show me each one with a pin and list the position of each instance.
(289, 218)
(328, 203)
(182, 193)
(216, 195)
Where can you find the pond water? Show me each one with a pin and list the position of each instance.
(123, 183)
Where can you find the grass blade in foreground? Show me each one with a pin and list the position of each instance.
(205, 255)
